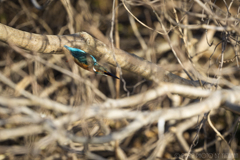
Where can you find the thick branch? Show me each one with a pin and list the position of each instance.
(54, 44)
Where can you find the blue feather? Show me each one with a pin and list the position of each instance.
(94, 60)
(74, 49)
(76, 52)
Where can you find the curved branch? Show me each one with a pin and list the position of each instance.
(141, 119)
(53, 44)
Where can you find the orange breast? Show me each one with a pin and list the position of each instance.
(83, 65)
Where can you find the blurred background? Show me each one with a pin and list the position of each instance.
(207, 50)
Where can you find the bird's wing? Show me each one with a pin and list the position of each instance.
(85, 61)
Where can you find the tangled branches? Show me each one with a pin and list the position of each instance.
(179, 91)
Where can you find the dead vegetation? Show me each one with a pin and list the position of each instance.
(52, 109)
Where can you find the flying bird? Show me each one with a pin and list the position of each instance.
(88, 62)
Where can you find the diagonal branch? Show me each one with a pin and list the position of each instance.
(53, 44)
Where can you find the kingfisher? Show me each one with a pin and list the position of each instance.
(88, 62)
